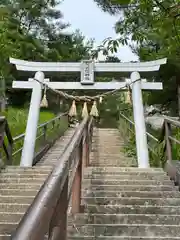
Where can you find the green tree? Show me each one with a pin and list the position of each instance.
(33, 30)
(154, 28)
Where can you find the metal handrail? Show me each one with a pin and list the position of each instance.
(47, 215)
(172, 121)
(12, 141)
(154, 146)
(17, 138)
(172, 165)
(43, 126)
(131, 122)
(166, 135)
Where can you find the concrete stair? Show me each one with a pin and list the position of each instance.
(127, 211)
(122, 201)
(107, 149)
(19, 186)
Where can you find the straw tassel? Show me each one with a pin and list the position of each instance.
(100, 100)
(44, 102)
(94, 110)
(61, 102)
(129, 96)
(85, 110)
(73, 111)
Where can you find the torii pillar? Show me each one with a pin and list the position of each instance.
(139, 120)
(87, 69)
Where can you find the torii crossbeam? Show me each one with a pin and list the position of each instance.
(87, 69)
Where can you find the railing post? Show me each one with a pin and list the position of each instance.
(58, 225)
(2, 129)
(45, 131)
(90, 136)
(10, 144)
(86, 149)
(76, 188)
(53, 123)
(168, 141)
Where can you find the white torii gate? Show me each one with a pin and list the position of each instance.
(87, 69)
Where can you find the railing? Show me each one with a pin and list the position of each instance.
(47, 215)
(159, 146)
(168, 135)
(6, 141)
(47, 134)
(172, 147)
(152, 141)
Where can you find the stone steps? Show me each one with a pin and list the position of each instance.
(13, 199)
(93, 182)
(143, 187)
(113, 164)
(19, 186)
(121, 173)
(119, 202)
(18, 192)
(106, 157)
(30, 175)
(34, 170)
(124, 202)
(137, 194)
(126, 229)
(13, 207)
(24, 180)
(7, 228)
(122, 169)
(118, 238)
(127, 176)
(6, 217)
(133, 201)
(107, 164)
(133, 209)
(81, 219)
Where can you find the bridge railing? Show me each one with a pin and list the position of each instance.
(47, 134)
(47, 215)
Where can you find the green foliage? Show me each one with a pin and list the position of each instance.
(156, 149)
(128, 136)
(109, 111)
(17, 119)
(176, 146)
(112, 6)
(153, 27)
(34, 31)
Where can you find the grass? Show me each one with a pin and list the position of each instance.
(17, 119)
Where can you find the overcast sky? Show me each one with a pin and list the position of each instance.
(93, 23)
